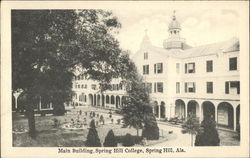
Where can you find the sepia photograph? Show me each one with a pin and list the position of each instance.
(106, 79)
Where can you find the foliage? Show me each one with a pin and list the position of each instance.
(48, 46)
(208, 136)
(138, 110)
(151, 129)
(128, 140)
(92, 124)
(93, 139)
(56, 123)
(191, 126)
(110, 140)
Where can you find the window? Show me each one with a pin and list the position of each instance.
(210, 66)
(177, 87)
(145, 69)
(93, 86)
(177, 68)
(232, 87)
(79, 86)
(158, 68)
(233, 63)
(209, 87)
(158, 87)
(189, 87)
(190, 68)
(145, 55)
(148, 86)
(82, 85)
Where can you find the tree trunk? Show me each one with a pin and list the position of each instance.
(31, 117)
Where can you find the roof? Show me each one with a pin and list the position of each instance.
(204, 50)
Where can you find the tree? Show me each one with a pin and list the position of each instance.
(110, 140)
(49, 45)
(208, 136)
(138, 110)
(137, 107)
(93, 139)
(191, 126)
(128, 140)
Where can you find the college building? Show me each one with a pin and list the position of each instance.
(182, 79)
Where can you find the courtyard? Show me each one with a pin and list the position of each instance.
(51, 135)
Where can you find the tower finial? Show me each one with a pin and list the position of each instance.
(174, 15)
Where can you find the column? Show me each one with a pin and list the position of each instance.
(215, 115)
(186, 114)
(200, 114)
(115, 102)
(234, 117)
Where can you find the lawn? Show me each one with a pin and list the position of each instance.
(49, 136)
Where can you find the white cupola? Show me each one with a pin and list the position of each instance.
(174, 40)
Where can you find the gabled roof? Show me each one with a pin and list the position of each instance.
(204, 50)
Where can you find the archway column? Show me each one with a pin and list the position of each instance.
(216, 114)
(234, 108)
(200, 114)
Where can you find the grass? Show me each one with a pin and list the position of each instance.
(49, 136)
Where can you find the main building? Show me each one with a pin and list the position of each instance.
(202, 80)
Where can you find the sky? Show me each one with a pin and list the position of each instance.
(199, 27)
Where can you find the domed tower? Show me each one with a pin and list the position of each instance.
(174, 40)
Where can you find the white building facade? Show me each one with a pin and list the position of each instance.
(202, 80)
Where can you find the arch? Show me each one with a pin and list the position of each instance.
(103, 100)
(225, 115)
(98, 100)
(238, 115)
(107, 99)
(123, 100)
(208, 109)
(117, 101)
(112, 101)
(91, 101)
(180, 108)
(163, 110)
(94, 99)
(85, 98)
(156, 109)
(193, 108)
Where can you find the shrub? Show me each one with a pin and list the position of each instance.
(92, 124)
(102, 119)
(128, 140)
(118, 121)
(208, 136)
(56, 123)
(110, 140)
(151, 130)
(93, 139)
